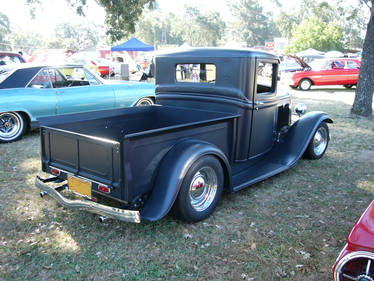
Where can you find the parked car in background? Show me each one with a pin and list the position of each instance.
(356, 261)
(334, 71)
(7, 59)
(27, 93)
(289, 64)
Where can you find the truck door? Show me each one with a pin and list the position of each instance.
(264, 108)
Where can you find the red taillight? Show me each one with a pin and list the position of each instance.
(55, 172)
(104, 188)
(94, 199)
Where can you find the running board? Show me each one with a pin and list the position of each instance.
(255, 174)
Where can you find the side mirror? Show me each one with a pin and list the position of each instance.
(300, 109)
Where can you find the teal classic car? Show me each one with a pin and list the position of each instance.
(27, 93)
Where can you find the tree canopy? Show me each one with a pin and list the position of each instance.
(121, 16)
(253, 25)
(192, 27)
(4, 28)
(349, 16)
(316, 34)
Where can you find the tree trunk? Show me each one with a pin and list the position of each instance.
(362, 104)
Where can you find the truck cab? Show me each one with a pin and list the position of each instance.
(219, 124)
(238, 81)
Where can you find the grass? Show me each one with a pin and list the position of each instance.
(289, 227)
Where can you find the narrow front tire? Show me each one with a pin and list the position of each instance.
(319, 142)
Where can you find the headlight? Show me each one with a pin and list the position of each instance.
(300, 109)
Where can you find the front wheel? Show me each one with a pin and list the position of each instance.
(144, 102)
(12, 126)
(318, 144)
(200, 191)
(305, 84)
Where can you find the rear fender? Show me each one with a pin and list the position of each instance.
(292, 147)
(171, 173)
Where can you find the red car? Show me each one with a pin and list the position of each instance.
(10, 58)
(356, 261)
(334, 71)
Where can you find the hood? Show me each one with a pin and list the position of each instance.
(303, 64)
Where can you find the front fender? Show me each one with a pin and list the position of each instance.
(292, 147)
(171, 173)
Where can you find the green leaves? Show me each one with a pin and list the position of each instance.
(193, 27)
(122, 15)
(253, 25)
(316, 34)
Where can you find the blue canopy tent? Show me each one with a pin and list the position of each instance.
(133, 45)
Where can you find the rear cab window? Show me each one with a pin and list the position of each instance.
(196, 73)
(266, 76)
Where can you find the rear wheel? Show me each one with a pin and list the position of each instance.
(318, 144)
(348, 86)
(144, 102)
(305, 84)
(200, 191)
(12, 126)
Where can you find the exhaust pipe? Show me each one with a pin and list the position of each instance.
(102, 219)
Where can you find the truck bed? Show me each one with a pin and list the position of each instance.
(121, 147)
(115, 125)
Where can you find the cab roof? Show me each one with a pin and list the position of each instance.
(218, 53)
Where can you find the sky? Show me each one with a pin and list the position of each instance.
(53, 12)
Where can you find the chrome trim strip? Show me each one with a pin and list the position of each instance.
(111, 212)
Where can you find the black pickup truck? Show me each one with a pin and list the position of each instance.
(218, 124)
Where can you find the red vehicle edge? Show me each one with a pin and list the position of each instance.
(356, 260)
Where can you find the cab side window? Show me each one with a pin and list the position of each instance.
(41, 80)
(266, 74)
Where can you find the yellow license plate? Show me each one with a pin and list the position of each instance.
(80, 186)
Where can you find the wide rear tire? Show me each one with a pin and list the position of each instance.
(13, 126)
(201, 190)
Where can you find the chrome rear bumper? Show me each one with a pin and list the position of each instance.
(110, 212)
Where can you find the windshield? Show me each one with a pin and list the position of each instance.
(318, 64)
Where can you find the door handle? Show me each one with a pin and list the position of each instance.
(259, 103)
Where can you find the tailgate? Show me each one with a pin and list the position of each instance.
(96, 159)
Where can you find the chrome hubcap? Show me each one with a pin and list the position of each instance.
(10, 125)
(203, 188)
(320, 141)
